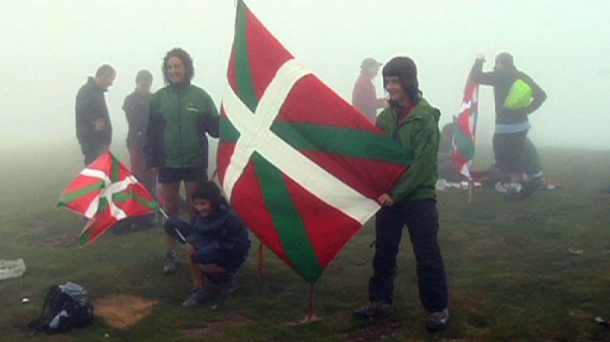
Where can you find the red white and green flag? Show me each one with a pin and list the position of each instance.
(301, 166)
(465, 130)
(106, 192)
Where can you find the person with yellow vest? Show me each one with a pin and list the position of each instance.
(516, 96)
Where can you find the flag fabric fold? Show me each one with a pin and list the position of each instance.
(301, 166)
(465, 130)
(106, 192)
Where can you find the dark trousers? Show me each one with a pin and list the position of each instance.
(140, 170)
(510, 151)
(92, 152)
(421, 219)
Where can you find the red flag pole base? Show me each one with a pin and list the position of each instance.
(261, 261)
(312, 314)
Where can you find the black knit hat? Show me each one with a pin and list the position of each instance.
(402, 67)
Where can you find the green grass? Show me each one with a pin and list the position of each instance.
(510, 274)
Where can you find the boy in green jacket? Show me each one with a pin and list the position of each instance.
(412, 122)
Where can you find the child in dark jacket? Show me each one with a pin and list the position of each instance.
(217, 243)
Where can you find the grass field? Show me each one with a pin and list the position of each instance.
(510, 272)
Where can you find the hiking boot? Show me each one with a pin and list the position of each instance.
(197, 297)
(438, 321)
(374, 310)
(230, 286)
(171, 264)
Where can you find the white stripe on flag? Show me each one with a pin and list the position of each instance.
(255, 135)
(108, 191)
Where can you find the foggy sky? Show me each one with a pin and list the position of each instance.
(50, 47)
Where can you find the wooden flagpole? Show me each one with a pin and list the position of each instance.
(261, 261)
(312, 315)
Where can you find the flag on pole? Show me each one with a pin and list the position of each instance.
(465, 130)
(106, 192)
(301, 166)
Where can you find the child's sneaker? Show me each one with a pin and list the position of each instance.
(229, 286)
(438, 321)
(197, 297)
(171, 264)
(374, 310)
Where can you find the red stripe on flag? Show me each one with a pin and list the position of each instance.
(265, 53)
(101, 223)
(79, 183)
(223, 158)
(312, 102)
(251, 207)
(326, 239)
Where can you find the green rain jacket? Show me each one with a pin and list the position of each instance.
(419, 135)
(179, 119)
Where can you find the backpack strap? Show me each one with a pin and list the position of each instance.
(37, 324)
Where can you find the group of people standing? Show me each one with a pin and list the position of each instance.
(517, 170)
(168, 140)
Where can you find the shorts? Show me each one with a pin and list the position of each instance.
(188, 174)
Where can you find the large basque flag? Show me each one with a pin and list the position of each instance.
(465, 130)
(300, 165)
(106, 192)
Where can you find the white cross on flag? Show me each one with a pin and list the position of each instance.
(302, 167)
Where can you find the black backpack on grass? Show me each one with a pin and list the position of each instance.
(65, 307)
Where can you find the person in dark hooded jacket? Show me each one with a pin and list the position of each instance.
(136, 106)
(217, 243)
(514, 153)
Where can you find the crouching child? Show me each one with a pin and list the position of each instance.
(216, 241)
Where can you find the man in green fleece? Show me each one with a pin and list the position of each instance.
(412, 122)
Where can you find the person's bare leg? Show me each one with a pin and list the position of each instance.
(189, 188)
(196, 271)
(171, 193)
(200, 294)
(228, 281)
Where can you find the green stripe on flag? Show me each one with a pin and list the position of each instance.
(228, 131)
(84, 238)
(79, 193)
(115, 170)
(464, 145)
(287, 221)
(126, 196)
(346, 142)
(243, 74)
(103, 204)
